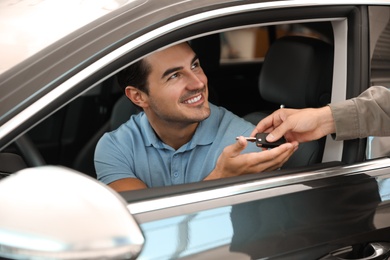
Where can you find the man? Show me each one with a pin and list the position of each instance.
(368, 114)
(179, 137)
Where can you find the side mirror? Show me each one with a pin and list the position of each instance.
(53, 212)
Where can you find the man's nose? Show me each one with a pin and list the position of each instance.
(196, 80)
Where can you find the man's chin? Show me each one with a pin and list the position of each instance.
(201, 115)
(206, 114)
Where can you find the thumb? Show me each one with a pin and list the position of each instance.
(236, 148)
(277, 133)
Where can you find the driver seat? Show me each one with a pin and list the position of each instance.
(297, 73)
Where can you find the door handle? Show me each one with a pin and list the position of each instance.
(370, 251)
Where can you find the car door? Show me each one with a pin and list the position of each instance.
(331, 211)
(301, 213)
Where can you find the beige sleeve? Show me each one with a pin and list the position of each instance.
(366, 115)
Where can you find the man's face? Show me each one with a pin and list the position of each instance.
(177, 86)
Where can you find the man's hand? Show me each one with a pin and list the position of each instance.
(299, 125)
(232, 163)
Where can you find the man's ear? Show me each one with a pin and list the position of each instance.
(137, 96)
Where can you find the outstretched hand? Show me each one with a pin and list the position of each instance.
(300, 125)
(232, 163)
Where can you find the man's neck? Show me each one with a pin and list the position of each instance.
(175, 135)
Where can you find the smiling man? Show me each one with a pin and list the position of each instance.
(179, 137)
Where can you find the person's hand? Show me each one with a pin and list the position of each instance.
(232, 163)
(299, 125)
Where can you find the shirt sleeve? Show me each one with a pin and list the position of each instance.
(110, 163)
(366, 115)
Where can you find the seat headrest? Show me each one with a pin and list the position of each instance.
(297, 72)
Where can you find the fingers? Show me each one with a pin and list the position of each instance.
(276, 124)
(236, 148)
(275, 158)
(232, 163)
(269, 159)
(281, 158)
(278, 132)
(263, 125)
(272, 121)
(229, 161)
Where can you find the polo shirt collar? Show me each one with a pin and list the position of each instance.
(207, 129)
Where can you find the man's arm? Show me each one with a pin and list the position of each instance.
(127, 184)
(300, 125)
(367, 114)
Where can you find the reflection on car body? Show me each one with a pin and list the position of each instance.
(60, 97)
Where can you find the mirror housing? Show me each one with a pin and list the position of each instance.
(54, 212)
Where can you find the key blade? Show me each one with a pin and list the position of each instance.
(249, 139)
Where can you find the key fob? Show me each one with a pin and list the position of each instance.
(263, 143)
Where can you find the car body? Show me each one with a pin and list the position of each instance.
(56, 92)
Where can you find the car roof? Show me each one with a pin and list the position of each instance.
(27, 27)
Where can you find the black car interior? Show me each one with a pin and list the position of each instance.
(295, 65)
(121, 112)
(249, 89)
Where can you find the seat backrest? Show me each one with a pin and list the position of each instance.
(121, 112)
(297, 73)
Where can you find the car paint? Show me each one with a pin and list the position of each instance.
(303, 215)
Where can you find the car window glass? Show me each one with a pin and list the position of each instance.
(219, 218)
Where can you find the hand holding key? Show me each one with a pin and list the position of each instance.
(260, 139)
(232, 162)
(299, 125)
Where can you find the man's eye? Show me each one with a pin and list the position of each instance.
(195, 65)
(173, 76)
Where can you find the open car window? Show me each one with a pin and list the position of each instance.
(69, 136)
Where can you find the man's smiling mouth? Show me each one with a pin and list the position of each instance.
(193, 100)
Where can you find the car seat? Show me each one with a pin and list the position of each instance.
(297, 73)
(121, 112)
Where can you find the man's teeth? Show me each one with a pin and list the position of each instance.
(193, 100)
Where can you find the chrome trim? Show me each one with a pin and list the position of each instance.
(13, 123)
(380, 250)
(254, 186)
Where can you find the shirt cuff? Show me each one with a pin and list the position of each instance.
(346, 120)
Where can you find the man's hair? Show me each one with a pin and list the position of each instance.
(136, 75)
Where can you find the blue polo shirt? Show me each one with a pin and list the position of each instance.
(134, 151)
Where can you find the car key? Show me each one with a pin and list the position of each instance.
(261, 141)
